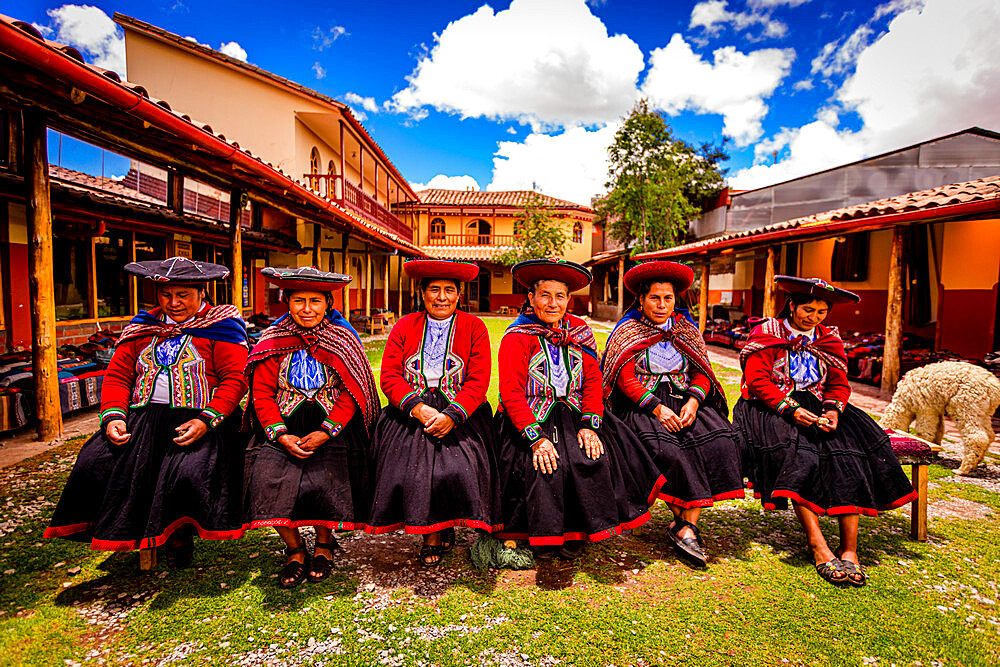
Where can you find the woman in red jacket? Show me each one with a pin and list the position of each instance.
(570, 473)
(809, 444)
(168, 459)
(433, 445)
(314, 401)
(660, 383)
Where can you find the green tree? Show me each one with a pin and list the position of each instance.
(656, 182)
(536, 235)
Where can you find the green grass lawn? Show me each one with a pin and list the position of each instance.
(628, 602)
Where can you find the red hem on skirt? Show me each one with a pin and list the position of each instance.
(161, 539)
(64, 531)
(842, 509)
(424, 530)
(655, 493)
(557, 540)
(301, 523)
(703, 502)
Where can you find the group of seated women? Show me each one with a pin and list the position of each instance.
(578, 450)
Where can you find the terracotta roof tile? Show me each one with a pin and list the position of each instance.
(475, 252)
(501, 198)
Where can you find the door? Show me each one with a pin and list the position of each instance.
(484, 291)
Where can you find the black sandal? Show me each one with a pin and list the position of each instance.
(831, 567)
(321, 564)
(855, 575)
(180, 549)
(447, 540)
(430, 551)
(294, 572)
(691, 549)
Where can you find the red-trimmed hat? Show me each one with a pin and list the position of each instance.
(177, 271)
(441, 269)
(305, 278)
(575, 276)
(659, 271)
(816, 287)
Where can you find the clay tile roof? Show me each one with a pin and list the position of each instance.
(464, 252)
(107, 185)
(501, 198)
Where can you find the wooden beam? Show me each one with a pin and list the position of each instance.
(621, 287)
(893, 315)
(385, 284)
(317, 242)
(343, 171)
(236, 245)
(175, 191)
(40, 280)
(14, 141)
(368, 282)
(399, 281)
(345, 263)
(703, 298)
(770, 293)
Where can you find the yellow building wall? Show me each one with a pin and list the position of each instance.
(971, 254)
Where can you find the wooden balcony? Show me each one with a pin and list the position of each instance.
(351, 197)
(470, 239)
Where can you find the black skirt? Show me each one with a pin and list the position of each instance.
(851, 470)
(701, 463)
(426, 484)
(583, 499)
(331, 488)
(134, 496)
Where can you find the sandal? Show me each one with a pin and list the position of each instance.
(828, 569)
(691, 549)
(855, 575)
(572, 550)
(180, 549)
(447, 540)
(546, 552)
(321, 566)
(428, 551)
(294, 572)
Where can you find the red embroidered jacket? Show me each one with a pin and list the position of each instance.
(526, 394)
(207, 375)
(767, 377)
(275, 398)
(638, 383)
(467, 368)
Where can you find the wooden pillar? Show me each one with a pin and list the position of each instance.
(343, 172)
(399, 281)
(621, 287)
(703, 297)
(918, 509)
(236, 245)
(175, 191)
(317, 242)
(893, 316)
(368, 282)
(40, 279)
(346, 265)
(770, 294)
(14, 141)
(385, 284)
(361, 167)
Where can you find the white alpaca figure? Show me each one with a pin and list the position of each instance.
(968, 394)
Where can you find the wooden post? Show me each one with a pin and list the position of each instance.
(361, 166)
(236, 245)
(893, 316)
(918, 509)
(147, 559)
(317, 242)
(399, 281)
(343, 172)
(345, 263)
(14, 142)
(703, 298)
(368, 282)
(385, 284)
(40, 279)
(770, 294)
(175, 192)
(621, 287)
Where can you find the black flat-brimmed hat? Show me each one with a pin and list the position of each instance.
(305, 278)
(441, 269)
(816, 287)
(659, 271)
(531, 270)
(177, 271)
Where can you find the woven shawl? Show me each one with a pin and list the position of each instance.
(221, 323)
(329, 343)
(771, 332)
(578, 335)
(634, 334)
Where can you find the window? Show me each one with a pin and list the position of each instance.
(331, 183)
(148, 248)
(111, 254)
(71, 275)
(849, 262)
(577, 232)
(314, 168)
(437, 229)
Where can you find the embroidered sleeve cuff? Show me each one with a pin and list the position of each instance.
(787, 406)
(211, 417)
(332, 428)
(839, 406)
(111, 414)
(275, 431)
(649, 401)
(590, 420)
(532, 433)
(456, 412)
(409, 402)
(696, 392)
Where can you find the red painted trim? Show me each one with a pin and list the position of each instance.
(702, 502)
(301, 523)
(433, 528)
(161, 539)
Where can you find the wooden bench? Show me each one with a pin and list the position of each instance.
(919, 468)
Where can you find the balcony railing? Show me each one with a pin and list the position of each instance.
(470, 239)
(354, 199)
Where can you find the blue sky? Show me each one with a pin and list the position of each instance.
(513, 94)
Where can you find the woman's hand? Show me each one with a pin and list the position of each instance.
(190, 432)
(688, 412)
(440, 425)
(424, 413)
(832, 416)
(313, 441)
(803, 417)
(590, 443)
(668, 418)
(544, 456)
(117, 432)
(291, 443)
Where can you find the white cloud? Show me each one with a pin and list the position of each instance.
(903, 91)
(192, 39)
(233, 50)
(324, 39)
(559, 67)
(366, 103)
(570, 165)
(803, 84)
(443, 182)
(712, 15)
(734, 84)
(839, 56)
(319, 70)
(91, 31)
(760, 4)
